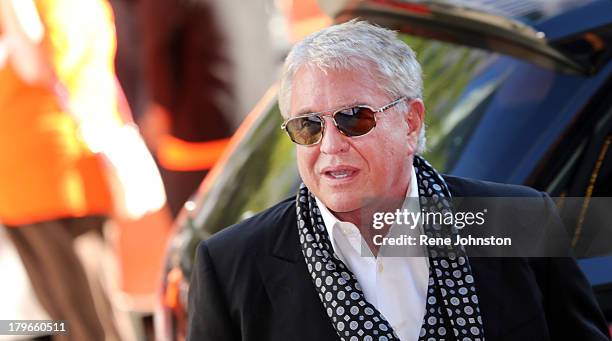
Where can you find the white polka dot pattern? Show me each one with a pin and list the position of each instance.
(452, 302)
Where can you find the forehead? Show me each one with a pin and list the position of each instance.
(315, 89)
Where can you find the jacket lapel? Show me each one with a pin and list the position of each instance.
(289, 287)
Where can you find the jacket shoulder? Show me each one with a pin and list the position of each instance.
(253, 234)
(466, 187)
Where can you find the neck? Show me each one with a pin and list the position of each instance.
(363, 218)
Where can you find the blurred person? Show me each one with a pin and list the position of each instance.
(128, 59)
(62, 111)
(18, 299)
(188, 74)
(309, 268)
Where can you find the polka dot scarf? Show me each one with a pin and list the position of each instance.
(452, 311)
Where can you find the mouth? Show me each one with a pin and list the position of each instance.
(340, 173)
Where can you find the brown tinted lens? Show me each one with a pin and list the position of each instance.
(355, 121)
(305, 130)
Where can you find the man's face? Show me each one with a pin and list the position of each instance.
(344, 171)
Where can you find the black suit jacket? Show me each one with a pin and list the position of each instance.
(250, 282)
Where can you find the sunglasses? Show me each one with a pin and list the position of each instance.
(308, 129)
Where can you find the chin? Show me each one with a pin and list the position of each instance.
(341, 202)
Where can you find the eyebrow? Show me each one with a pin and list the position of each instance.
(308, 111)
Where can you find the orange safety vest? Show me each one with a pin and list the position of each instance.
(46, 171)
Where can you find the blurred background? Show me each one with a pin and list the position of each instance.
(130, 130)
(114, 111)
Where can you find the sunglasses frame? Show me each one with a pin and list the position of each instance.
(333, 117)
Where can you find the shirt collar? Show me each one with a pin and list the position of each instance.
(331, 221)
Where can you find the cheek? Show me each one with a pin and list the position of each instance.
(388, 152)
(306, 160)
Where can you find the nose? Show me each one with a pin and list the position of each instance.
(333, 141)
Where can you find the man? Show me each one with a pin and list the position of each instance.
(351, 99)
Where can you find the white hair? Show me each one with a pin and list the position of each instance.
(358, 45)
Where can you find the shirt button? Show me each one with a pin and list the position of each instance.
(380, 267)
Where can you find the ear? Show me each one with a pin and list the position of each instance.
(415, 116)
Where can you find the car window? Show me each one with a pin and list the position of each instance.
(260, 172)
(513, 126)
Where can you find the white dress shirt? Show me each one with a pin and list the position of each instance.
(396, 286)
